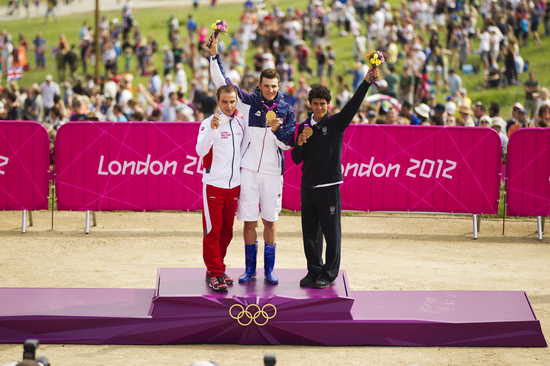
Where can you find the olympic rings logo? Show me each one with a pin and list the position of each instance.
(250, 317)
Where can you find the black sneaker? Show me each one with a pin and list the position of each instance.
(228, 280)
(217, 284)
(309, 279)
(323, 283)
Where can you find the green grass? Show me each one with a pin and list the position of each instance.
(153, 21)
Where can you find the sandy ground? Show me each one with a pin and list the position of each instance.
(380, 252)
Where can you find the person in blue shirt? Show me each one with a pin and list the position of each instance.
(117, 110)
(191, 27)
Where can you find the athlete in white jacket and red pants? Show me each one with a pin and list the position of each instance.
(219, 146)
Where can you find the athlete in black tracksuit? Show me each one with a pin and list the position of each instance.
(321, 178)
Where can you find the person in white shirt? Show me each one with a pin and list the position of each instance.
(49, 89)
(219, 146)
(484, 46)
(124, 96)
(181, 78)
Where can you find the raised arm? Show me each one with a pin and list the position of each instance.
(353, 105)
(218, 74)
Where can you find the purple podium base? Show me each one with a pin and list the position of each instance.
(182, 310)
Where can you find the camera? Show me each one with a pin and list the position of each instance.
(29, 354)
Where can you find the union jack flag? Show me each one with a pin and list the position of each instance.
(15, 73)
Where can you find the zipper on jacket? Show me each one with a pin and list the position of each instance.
(233, 156)
(263, 145)
(245, 150)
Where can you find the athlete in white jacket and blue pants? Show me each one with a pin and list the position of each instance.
(219, 146)
(270, 126)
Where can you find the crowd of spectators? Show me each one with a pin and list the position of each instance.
(427, 45)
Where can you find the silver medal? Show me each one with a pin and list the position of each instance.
(223, 119)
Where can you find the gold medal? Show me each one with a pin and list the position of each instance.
(270, 115)
(308, 131)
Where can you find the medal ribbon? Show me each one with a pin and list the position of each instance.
(272, 107)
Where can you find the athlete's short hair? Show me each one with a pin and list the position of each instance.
(319, 91)
(269, 74)
(225, 89)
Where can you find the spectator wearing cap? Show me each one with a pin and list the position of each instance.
(455, 82)
(466, 115)
(531, 87)
(450, 106)
(49, 89)
(499, 125)
(485, 121)
(423, 112)
(463, 99)
(371, 116)
(521, 122)
(515, 111)
(479, 111)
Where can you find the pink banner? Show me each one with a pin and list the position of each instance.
(143, 166)
(131, 166)
(24, 164)
(414, 168)
(528, 173)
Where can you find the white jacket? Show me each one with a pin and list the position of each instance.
(262, 149)
(221, 147)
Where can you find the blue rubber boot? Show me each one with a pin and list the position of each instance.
(269, 263)
(250, 251)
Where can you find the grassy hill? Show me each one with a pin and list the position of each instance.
(154, 21)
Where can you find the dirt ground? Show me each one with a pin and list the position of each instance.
(380, 252)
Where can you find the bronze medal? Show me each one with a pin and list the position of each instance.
(308, 131)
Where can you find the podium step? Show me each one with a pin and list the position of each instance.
(183, 310)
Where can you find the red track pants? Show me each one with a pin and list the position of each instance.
(218, 215)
